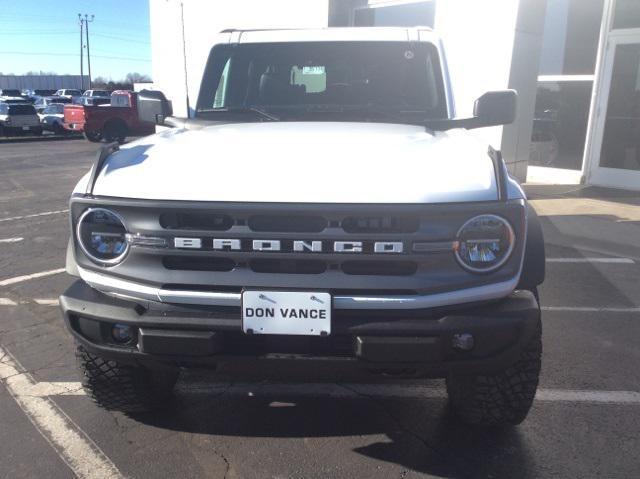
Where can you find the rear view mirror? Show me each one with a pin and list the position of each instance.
(153, 107)
(495, 108)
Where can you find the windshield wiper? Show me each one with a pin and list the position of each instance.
(244, 109)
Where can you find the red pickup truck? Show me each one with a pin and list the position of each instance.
(113, 122)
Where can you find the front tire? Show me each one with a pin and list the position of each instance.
(501, 399)
(123, 387)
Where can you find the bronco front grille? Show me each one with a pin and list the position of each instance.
(367, 248)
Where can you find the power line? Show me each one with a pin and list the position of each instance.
(33, 18)
(114, 37)
(39, 32)
(57, 54)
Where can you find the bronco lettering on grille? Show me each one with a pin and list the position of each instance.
(292, 246)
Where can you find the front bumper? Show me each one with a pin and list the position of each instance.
(386, 339)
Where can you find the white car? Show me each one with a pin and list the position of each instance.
(95, 98)
(69, 93)
(52, 118)
(324, 206)
(19, 119)
(97, 93)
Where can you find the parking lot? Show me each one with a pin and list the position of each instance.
(584, 423)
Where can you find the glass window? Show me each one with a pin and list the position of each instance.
(221, 91)
(626, 14)
(327, 77)
(120, 100)
(560, 124)
(570, 38)
(22, 110)
(621, 141)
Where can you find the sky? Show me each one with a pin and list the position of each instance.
(45, 35)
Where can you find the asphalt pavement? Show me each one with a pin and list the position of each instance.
(584, 423)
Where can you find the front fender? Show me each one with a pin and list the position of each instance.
(70, 264)
(533, 267)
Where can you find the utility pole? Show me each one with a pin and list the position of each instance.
(80, 22)
(86, 26)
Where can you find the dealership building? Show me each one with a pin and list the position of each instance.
(574, 63)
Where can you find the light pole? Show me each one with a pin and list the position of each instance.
(80, 22)
(86, 26)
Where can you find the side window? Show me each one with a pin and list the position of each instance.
(313, 78)
(47, 110)
(219, 100)
(120, 100)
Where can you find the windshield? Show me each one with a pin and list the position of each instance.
(22, 110)
(393, 81)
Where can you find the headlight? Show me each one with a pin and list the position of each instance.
(484, 243)
(102, 236)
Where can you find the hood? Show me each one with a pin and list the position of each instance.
(302, 162)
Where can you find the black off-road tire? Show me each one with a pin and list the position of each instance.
(123, 387)
(500, 399)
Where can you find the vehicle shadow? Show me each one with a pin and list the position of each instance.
(417, 434)
(132, 156)
(39, 139)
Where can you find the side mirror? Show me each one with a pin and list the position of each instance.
(153, 107)
(495, 108)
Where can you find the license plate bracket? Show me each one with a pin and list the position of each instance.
(300, 313)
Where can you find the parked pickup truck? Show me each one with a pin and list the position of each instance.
(323, 208)
(113, 122)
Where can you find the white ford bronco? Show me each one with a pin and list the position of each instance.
(322, 206)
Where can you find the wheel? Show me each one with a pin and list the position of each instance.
(58, 129)
(115, 131)
(500, 399)
(123, 387)
(93, 136)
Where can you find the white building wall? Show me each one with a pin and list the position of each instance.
(43, 82)
(203, 20)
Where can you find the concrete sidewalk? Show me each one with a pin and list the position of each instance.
(600, 220)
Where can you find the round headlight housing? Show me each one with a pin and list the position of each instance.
(102, 236)
(484, 243)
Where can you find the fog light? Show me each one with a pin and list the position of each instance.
(463, 342)
(122, 333)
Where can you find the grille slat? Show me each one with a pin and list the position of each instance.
(195, 220)
(198, 263)
(287, 224)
